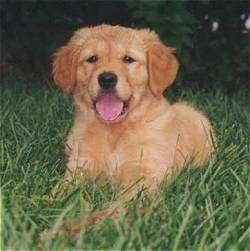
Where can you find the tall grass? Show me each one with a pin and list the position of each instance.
(203, 209)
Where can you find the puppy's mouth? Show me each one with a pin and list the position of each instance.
(109, 107)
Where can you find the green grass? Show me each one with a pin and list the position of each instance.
(204, 209)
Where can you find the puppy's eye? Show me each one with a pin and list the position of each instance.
(128, 59)
(92, 59)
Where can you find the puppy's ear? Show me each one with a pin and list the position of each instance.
(162, 68)
(64, 67)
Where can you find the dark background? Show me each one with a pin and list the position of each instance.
(31, 31)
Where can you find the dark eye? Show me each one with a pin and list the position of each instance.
(128, 60)
(92, 59)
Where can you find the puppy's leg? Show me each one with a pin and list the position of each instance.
(139, 176)
(77, 172)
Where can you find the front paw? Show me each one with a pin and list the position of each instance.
(136, 177)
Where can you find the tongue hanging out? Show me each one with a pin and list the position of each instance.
(109, 107)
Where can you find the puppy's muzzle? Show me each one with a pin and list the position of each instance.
(107, 80)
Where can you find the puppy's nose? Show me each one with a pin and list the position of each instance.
(107, 80)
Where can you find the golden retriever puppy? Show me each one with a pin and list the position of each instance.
(123, 127)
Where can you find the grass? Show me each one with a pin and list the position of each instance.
(204, 209)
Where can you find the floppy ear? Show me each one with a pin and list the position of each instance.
(162, 68)
(64, 67)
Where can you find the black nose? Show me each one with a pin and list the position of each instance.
(107, 80)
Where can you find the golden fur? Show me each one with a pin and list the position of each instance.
(153, 138)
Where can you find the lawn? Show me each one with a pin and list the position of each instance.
(203, 209)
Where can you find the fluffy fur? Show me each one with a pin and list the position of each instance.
(152, 138)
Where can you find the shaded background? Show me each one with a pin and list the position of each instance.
(212, 38)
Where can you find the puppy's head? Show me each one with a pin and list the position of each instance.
(111, 69)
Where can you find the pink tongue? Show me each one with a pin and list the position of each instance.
(109, 106)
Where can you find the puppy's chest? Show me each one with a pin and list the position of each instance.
(115, 145)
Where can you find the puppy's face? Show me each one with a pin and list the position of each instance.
(111, 69)
(111, 76)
